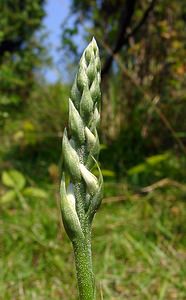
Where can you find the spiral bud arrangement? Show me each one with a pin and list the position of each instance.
(81, 194)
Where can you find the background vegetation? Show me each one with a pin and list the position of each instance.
(139, 237)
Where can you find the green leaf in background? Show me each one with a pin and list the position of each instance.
(105, 173)
(103, 147)
(8, 197)
(13, 179)
(156, 159)
(137, 169)
(181, 134)
(149, 162)
(34, 192)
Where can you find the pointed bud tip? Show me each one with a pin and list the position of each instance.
(65, 136)
(65, 131)
(90, 137)
(94, 43)
(94, 40)
(71, 104)
(90, 179)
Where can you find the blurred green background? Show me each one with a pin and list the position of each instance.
(139, 234)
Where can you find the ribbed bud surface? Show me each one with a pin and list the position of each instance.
(81, 147)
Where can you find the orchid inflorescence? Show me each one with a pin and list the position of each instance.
(81, 190)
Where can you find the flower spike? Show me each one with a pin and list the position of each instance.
(81, 199)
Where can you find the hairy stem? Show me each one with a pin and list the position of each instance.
(82, 250)
(85, 276)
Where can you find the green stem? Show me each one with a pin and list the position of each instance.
(85, 276)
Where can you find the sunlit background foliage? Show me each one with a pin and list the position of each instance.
(139, 237)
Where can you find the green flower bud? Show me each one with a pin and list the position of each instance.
(91, 71)
(82, 79)
(71, 159)
(91, 139)
(95, 90)
(76, 123)
(68, 209)
(86, 105)
(90, 179)
(95, 119)
(75, 94)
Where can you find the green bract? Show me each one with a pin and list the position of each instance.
(80, 152)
